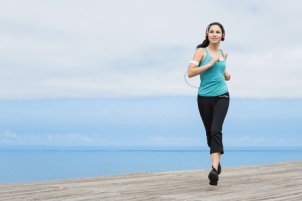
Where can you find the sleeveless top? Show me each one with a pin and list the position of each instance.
(212, 82)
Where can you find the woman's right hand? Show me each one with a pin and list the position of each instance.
(213, 61)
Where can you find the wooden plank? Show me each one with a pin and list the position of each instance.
(281, 181)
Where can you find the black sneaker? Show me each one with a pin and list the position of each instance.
(213, 177)
(219, 169)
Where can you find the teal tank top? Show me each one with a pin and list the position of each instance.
(212, 82)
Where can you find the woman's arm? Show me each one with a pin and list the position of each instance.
(198, 57)
(227, 75)
(225, 55)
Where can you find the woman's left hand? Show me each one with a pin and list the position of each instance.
(227, 76)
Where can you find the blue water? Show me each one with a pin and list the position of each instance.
(26, 165)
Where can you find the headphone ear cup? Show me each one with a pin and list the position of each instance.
(222, 38)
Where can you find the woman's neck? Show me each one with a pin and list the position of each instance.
(213, 48)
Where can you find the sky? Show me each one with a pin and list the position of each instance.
(96, 49)
(98, 55)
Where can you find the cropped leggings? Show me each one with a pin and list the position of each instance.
(213, 111)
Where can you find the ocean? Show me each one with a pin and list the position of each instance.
(67, 139)
(29, 165)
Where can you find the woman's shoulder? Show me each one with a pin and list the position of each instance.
(225, 53)
(201, 51)
(199, 54)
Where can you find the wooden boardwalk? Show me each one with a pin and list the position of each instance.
(281, 181)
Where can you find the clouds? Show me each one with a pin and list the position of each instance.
(112, 72)
(257, 26)
(8, 137)
(267, 75)
(95, 49)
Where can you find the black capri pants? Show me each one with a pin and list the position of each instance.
(213, 111)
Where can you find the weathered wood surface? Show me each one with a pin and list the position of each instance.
(281, 181)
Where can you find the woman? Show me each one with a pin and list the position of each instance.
(213, 97)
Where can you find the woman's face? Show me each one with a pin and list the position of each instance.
(215, 34)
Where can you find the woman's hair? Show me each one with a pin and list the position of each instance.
(206, 41)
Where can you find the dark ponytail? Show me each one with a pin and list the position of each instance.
(205, 43)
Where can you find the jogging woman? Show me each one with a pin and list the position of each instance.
(209, 62)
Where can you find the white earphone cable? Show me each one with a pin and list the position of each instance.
(185, 77)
